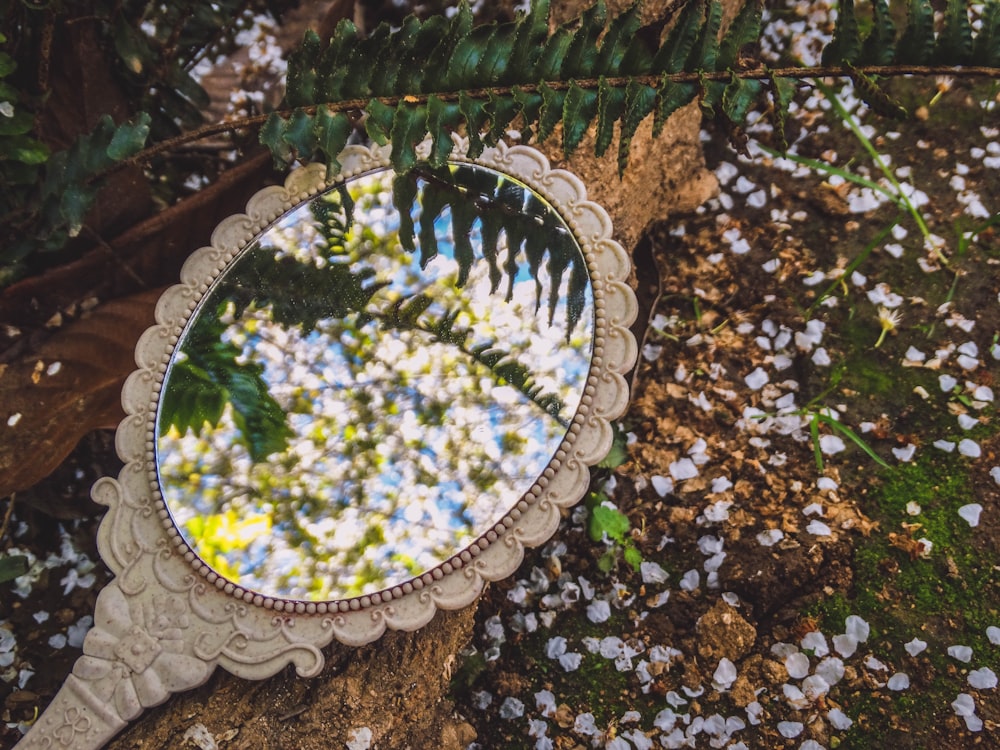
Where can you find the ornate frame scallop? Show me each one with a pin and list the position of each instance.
(166, 620)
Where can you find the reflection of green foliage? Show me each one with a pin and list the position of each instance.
(212, 375)
(501, 206)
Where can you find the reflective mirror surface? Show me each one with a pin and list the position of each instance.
(365, 390)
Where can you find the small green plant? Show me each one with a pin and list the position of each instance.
(607, 523)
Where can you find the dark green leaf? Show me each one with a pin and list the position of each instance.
(300, 82)
(300, 134)
(581, 55)
(616, 41)
(404, 195)
(744, 31)
(916, 47)
(438, 66)
(530, 106)
(954, 44)
(552, 55)
(332, 132)
(638, 58)
(129, 138)
(19, 123)
(476, 117)
(874, 96)
(706, 49)
(23, 149)
(529, 39)
(12, 566)
(463, 216)
(188, 87)
(442, 120)
(7, 65)
(670, 97)
(465, 60)
(132, 47)
(846, 44)
(415, 71)
(880, 45)
(331, 69)
(378, 124)
(579, 109)
(610, 105)
(411, 309)
(386, 67)
(551, 112)
(738, 97)
(503, 109)
(679, 43)
(639, 102)
(258, 416)
(357, 73)
(986, 50)
(782, 92)
(496, 56)
(711, 95)
(73, 206)
(409, 126)
(270, 136)
(433, 200)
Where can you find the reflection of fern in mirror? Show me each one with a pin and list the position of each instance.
(326, 273)
(483, 80)
(510, 217)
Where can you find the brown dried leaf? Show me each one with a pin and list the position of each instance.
(53, 396)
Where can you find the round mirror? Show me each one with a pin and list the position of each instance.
(374, 382)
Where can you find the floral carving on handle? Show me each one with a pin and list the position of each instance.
(138, 664)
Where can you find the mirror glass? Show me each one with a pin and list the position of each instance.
(374, 382)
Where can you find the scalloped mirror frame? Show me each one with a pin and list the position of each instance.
(166, 620)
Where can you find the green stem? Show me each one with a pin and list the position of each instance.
(855, 128)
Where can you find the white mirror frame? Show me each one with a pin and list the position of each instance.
(166, 620)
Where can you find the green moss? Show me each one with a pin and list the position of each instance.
(948, 597)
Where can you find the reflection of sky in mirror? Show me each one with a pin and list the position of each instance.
(403, 441)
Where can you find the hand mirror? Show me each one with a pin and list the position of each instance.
(367, 396)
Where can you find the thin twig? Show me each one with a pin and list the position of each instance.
(7, 516)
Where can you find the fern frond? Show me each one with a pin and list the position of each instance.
(782, 91)
(846, 44)
(744, 31)
(876, 97)
(443, 76)
(954, 44)
(879, 46)
(986, 48)
(916, 46)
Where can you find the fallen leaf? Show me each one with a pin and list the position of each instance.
(96, 355)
